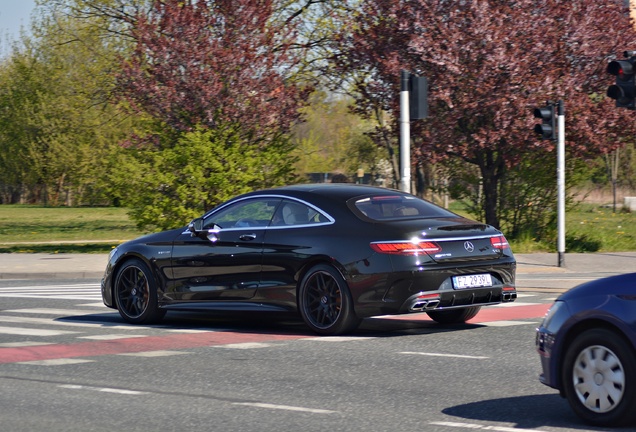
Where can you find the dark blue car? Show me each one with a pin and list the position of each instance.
(587, 343)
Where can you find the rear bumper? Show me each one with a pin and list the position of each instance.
(428, 288)
(422, 302)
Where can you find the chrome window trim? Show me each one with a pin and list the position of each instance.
(331, 220)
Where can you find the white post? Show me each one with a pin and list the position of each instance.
(561, 185)
(405, 134)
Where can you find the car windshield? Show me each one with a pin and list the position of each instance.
(395, 207)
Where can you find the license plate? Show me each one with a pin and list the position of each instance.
(472, 281)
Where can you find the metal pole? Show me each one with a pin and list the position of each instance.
(561, 184)
(405, 134)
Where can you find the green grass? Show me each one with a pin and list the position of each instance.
(63, 229)
(589, 228)
(592, 225)
(30, 229)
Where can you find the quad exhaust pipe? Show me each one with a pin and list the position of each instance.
(508, 296)
(423, 305)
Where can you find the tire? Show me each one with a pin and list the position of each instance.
(454, 316)
(136, 294)
(325, 303)
(599, 378)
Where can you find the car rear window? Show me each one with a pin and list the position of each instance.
(395, 207)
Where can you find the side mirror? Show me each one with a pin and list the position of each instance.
(196, 226)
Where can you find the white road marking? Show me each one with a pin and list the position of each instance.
(91, 286)
(32, 332)
(102, 389)
(515, 304)
(111, 337)
(73, 323)
(246, 345)
(53, 296)
(48, 322)
(163, 353)
(51, 311)
(66, 292)
(285, 407)
(504, 323)
(24, 344)
(56, 362)
(338, 338)
(474, 426)
(172, 330)
(443, 355)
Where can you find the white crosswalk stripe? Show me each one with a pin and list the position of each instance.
(92, 321)
(85, 291)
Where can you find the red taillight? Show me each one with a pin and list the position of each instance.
(406, 248)
(499, 242)
(428, 296)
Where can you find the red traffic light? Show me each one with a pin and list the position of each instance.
(620, 68)
(624, 89)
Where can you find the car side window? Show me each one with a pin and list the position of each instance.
(256, 212)
(291, 213)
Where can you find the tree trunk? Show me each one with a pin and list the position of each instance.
(491, 197)
(492, 169)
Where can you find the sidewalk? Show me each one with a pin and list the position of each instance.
(52, 266)
(538, 271)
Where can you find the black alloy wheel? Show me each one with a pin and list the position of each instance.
(599, 378)
(454, 316)
(136, 294)
(325, 303)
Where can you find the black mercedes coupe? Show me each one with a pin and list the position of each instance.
(334, 253)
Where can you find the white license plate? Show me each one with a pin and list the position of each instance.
(472, 281)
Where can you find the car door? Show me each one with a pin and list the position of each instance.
(225, 265)
(289, 242)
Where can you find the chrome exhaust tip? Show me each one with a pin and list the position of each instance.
(423, 305)
(509, 296)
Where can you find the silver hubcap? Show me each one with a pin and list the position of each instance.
(599, 379)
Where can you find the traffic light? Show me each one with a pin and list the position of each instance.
(547, 128)
(624, 91)
(418, 97)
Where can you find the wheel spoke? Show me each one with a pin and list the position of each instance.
(133, 291)
(599, 379)
(322, 299)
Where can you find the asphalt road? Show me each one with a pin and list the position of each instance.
(67, 363)
(535, 272)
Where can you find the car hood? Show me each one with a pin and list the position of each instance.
(162, 237)
(619, 285)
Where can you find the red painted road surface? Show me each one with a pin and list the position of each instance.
(489, 314)
(194, 340)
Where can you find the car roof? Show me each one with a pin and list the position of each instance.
(339, 191)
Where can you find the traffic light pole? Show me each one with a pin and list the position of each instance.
(405, 134)
(561, 184)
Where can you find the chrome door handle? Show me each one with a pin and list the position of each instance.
(247, 237)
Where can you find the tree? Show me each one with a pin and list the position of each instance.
(489, 62)
(331, 138)
(209, 63)
(59, 126)
(168, 187)
(214, 80)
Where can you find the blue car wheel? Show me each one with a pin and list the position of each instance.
(600, 378)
